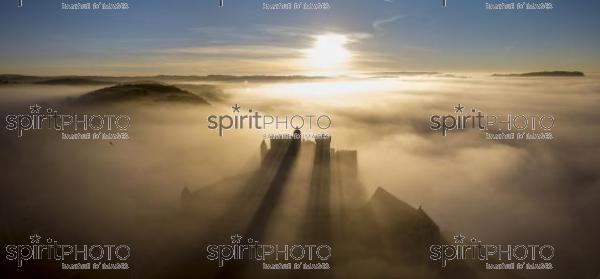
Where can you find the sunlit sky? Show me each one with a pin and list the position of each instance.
(193, 37)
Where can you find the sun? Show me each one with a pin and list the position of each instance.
(328, 53)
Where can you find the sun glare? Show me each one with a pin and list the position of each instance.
(328, 53)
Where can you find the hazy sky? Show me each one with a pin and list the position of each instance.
(197, 37)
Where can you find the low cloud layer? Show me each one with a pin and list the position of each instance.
(499, 191)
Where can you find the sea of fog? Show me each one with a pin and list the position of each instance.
(544, 191)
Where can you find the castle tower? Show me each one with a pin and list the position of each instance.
(323, 151)
(263, 150)
(296, 140)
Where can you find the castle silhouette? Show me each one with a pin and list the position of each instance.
(304, 191)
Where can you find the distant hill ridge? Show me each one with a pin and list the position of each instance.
(83, 80)
(73, 81)
(544, 74)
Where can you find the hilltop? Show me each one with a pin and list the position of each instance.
(154, 92)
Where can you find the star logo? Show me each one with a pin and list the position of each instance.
(459, 108)
(35, 238)
(236, 239)
(35, 108)
(459, 238)
(236, 108)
